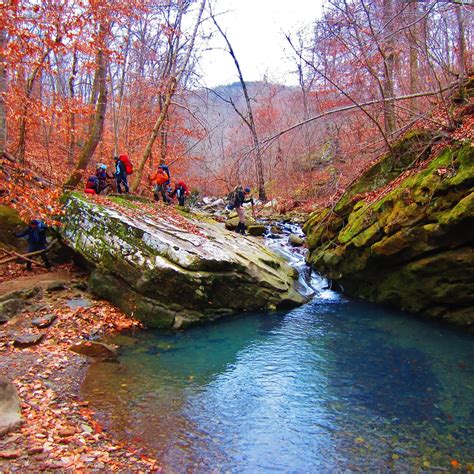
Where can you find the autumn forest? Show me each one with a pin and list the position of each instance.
(272, 274)
(83, 81)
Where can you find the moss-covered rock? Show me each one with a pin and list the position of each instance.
(167, 276)
(413, 246)
(10, 223)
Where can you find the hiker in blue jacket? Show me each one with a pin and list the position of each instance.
(120, 175)
(36, 235)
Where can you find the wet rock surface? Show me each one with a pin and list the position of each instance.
(173, 272)
(412, 246)
(96, 350)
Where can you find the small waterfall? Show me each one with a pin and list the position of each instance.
(311, 284)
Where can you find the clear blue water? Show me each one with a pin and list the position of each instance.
(333, 385)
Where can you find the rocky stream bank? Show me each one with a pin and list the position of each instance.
(45, 426)
(403, 233)
(51, 321)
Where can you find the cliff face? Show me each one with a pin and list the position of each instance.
(172, 272)
(404, 236)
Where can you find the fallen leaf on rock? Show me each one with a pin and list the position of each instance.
(10, 454)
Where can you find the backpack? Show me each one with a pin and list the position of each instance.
(167, 171)
(180, 191)
(232, 199)
(127, 163)
(92, 181)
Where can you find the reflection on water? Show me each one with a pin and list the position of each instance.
(330, 385)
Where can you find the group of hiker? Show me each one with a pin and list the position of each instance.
(160, 180)
(98, 183)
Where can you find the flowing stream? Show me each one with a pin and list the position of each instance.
(333, 385)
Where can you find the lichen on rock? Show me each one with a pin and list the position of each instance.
(166, 276)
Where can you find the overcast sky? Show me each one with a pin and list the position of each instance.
(255, 29)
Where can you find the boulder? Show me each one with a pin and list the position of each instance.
(295, 240)
(233, 222)
(10, 411)
(10, 308)
(256, 229)
(208, 199)
(412, 247)
(24, 294)
(56, 286)
(10, 223)
(44, 321)
(271, 204)
(26, 340)
(96, 350)
(169, 270)
(214, 205)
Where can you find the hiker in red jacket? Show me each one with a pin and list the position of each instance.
(180, 191)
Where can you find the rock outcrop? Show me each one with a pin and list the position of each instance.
(411, 245)
(171, 271)
(10, 411)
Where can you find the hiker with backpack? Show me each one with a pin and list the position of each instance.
(160, 180)
(36, 235)
(180, 191)
(92, 185)
(102, 176)
(236, 200)
(121, 174)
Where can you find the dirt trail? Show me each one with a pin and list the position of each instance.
(39, 279)
(60, 432)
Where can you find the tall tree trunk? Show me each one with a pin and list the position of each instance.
(249, 120)
(388, 64)
(154, 133)
(3, 90)
(413, 41)
(21, 148)
(72, 115)
(28, 91)
(164, 141)
(462, 58)
(163, 136)
(114, 114)
(96, 124)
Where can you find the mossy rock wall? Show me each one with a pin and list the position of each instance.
(412, 247)
(166, 276)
